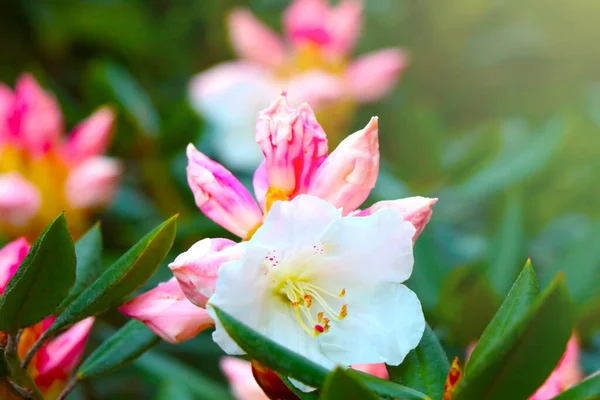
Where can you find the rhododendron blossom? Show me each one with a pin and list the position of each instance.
(325, 286)
(56, 359)
(311, 61)
(42, 172)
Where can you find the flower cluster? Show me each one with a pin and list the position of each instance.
(43, 173)
(311, 62)
(55, 360)
(312, 272)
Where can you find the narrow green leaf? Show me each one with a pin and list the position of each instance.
(121, 279)
(280, 359)
(340, 386)
(124, 346)
(516, 305)
(425, 368)
(530, 347)
(172, 390)
(42, 281)
(588, 389)
(88, 250)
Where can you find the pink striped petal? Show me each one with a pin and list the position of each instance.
(220, 195)
(197, 269)
(20, 199)
(372, 76)
(260, 182)
(93, 183)
(11, 257)
(253, 41)
(168, 313)
(304, 22)
(91, 137)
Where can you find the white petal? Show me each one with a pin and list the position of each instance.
(382, 325)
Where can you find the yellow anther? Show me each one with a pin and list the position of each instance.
(342, 293)
(307, 300)
(320, 317)
(343, 312)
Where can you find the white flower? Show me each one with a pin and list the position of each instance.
(325, 286)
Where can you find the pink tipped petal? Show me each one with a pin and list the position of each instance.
(11, 257)
(239, 374)
(168, 313)
(58, 358)
(347, 176)
(316, 87)
(304, 22)
(293, 143)
(20, 199)
(36, 118)
(566, 374)
(91, 137)
(373, 76)
(93, 183)
(220, 195)
(344, 23)
(197, 269)
(378, 370)
(254, 41)
(260, 182)
(7, 99)
(417, 210)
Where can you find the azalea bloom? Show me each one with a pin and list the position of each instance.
(311, 60)
(56, 359)
(325, 286)
(295, 163)
(43, 172)
(244, 386)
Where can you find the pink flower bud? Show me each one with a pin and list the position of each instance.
(35, 119)
(347, 176)
(90, 138)
(20, 199)
(220, 195)
(416, 210)
(239, 374)
(254, 41)
(372, 76)
(197, 269)
(56, 360)
(93, 183)
(11, 257)
(293, 143)
(168, 313)
(378, 370)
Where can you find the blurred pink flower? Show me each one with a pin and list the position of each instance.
(45, 172)
(311, 61)
(57, 358)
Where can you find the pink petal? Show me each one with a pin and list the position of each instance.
(93, 183)
(344, 23)
(90, 138)
(36, 120)
(417, 210)
(260, 182)
(58, 358)
(372, 76)
(378, 370)
(240, 377)
(253, 41)
(168, 313)
(315, 87)
(197, 269)
(20, 199)
(11, 257)
(304, 22)
(347, 176)
(220, 195)
(7, 99)
(293, 143)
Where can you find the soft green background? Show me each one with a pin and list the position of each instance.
(498, 115)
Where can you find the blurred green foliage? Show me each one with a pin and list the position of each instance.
(498, 115)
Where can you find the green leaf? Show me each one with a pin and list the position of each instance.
(531, 345)
(124, 346)
(516, 305)
(506, 248)
(171, 390)
(588, 389)
(42, 281)
(425, 368)
(280, 359)
(299, 393)
(340, 386)
(121, 279)
(89, 264)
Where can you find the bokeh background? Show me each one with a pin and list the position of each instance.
(498, 115)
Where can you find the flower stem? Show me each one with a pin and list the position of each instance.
(68, 389)
(33, 350)
(19, 375)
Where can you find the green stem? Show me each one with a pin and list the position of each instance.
(19, 375)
